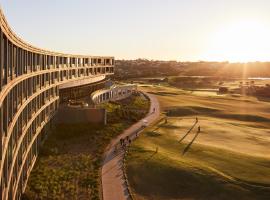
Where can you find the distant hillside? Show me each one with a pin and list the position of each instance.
(146, 68)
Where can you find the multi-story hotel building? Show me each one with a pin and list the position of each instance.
(29, 97)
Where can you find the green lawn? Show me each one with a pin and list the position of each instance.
(203, 172)
(228, 159)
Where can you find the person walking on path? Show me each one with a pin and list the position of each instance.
(197, 120)
(154, 110)
(199, 129)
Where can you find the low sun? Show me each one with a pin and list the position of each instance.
(241, 41)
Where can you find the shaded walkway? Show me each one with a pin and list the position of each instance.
(113, 183)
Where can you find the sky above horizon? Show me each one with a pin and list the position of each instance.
(184, 30)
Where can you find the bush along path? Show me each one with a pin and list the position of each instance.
(114, 183)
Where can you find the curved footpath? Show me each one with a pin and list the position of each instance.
(113, 182)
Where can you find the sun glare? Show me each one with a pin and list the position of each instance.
(242, 41)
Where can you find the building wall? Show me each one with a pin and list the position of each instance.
(29, 96)
(80, 92)
(73, 115)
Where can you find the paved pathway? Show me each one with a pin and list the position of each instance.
(113, 183)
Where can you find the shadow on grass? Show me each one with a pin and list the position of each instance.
(177, 111)
(156, 128)
(188, 132)
(169, 126)
(164, 93)
(242, 117)
(189, 145)
(196, 110)
(265, 99)
(158, 125)
(153, 134)
(149, 158)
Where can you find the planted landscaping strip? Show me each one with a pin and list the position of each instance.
(70, 160)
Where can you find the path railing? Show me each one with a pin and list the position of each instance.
(130, 193)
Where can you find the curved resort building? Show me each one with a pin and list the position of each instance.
(30, 81)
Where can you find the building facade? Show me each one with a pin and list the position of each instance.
(29, 97)
(115, 93)
(77, 90)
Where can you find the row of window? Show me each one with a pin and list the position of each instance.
(80, 91)
(10, 175)
(15, 61)
(111, 94)
(26, 155)
(25, 89)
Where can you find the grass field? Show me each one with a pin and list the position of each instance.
(68, 166)
(228, 159)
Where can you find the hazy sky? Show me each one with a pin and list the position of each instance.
(153, 29)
